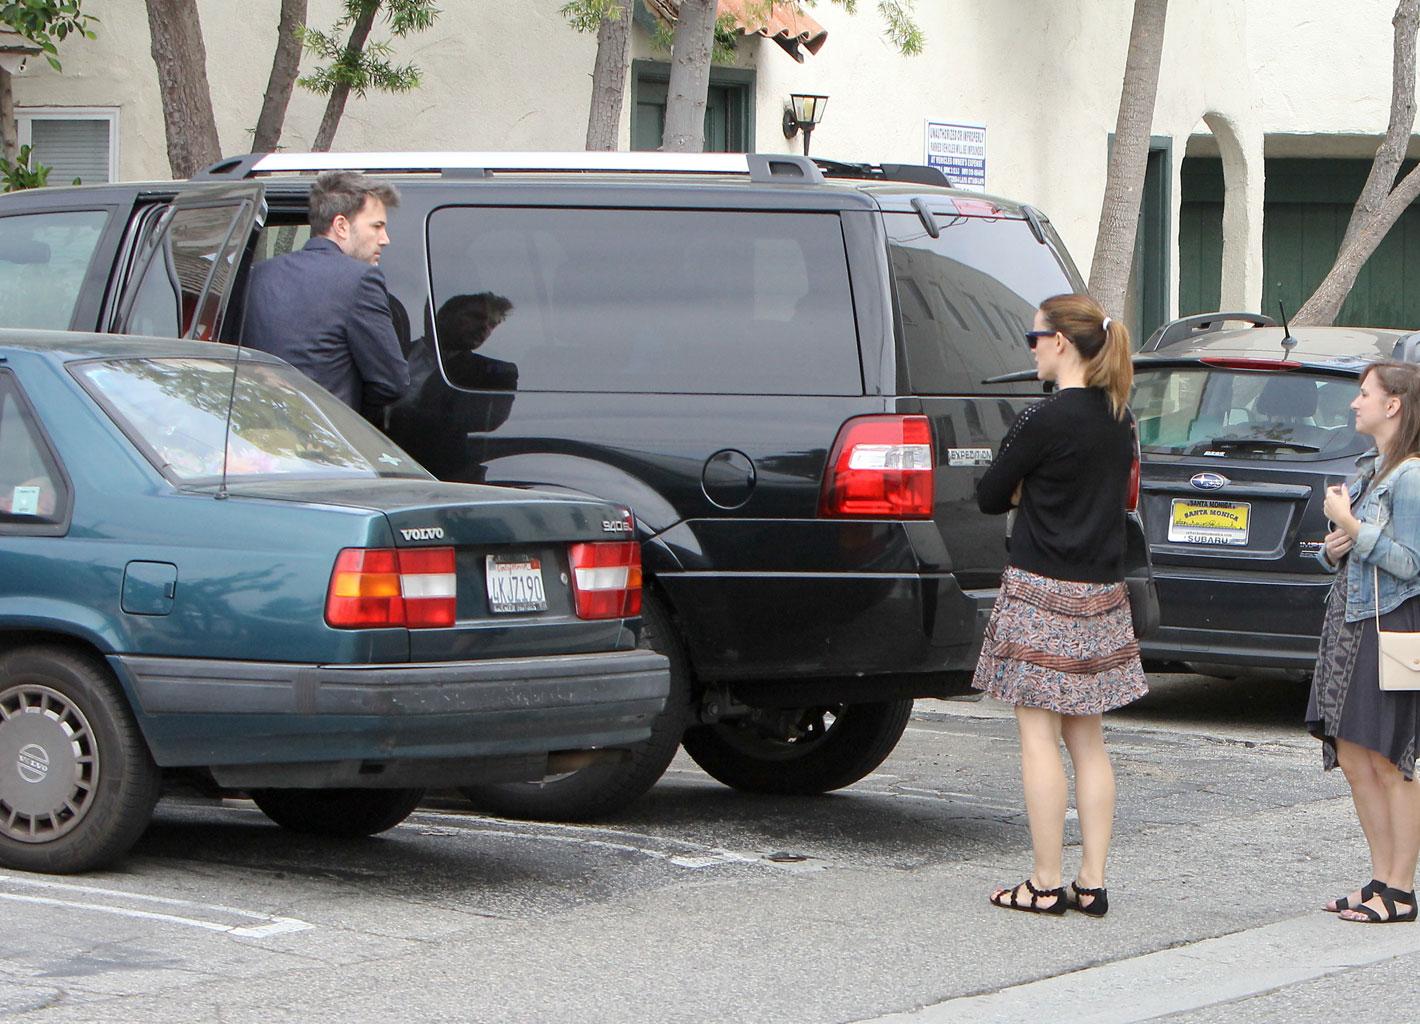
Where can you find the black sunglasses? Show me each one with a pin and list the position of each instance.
(1032, 337)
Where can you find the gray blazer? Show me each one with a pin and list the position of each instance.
(328, 315)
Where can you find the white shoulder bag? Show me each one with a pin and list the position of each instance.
(1399, 652)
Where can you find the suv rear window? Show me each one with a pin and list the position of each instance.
(666, 301)
(1290, 416)
(967, 299)
(43, 260)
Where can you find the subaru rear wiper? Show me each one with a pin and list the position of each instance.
(1251, 442)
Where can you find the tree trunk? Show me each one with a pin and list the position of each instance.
(1382, 201)
(9, 127)
(1124, 186)
(609, 78)
(689, 89)
(335, 106)
(283, 77)
(182, 78)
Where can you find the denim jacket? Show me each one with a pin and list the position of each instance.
(1389, 539)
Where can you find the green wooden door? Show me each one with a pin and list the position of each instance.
(1307, 204)
(729, 122)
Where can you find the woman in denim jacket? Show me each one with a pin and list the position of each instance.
(1372, 733)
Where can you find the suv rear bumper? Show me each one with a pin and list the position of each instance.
(198, 712)
(828, 626)
(1217, 647)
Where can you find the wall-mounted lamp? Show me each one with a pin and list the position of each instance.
(803, 113)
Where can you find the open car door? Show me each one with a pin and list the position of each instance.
(187, 263)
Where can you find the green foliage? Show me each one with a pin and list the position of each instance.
(902, 31)
(588, 15)
(362, 68)
(20, 175)
(722, 50)
(46, 23)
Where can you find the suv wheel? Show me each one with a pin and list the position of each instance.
(77, 784)
(343, 813)
(799, 751)
(602, 789)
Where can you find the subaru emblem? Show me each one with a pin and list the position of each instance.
(1209, 481)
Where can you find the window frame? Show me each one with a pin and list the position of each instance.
(741, 80)
(25, 117)
(58, 525)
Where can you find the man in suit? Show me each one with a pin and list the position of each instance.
(324, 309)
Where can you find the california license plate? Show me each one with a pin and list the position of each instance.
(1209, 522)
(515, 583)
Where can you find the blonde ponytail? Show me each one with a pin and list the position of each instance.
(1101, 340)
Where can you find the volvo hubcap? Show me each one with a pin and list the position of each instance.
(49, 764)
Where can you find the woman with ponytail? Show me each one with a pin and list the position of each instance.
(1060, 644)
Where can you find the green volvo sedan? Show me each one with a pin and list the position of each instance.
(210, 568)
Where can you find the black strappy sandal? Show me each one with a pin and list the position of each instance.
(1389, 898)
(999, 899)
(1099, 900)
(1370, 889)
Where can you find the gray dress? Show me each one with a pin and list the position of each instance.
(1346, 701)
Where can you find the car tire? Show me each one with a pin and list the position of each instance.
(342, 813)
(600, 790)
(77, 782)
(764, 753)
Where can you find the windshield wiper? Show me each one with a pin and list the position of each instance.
(1250, 442)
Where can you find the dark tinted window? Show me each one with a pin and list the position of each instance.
(170, 296)
(43, 260)
(967, 299)
(1237, 413)
(642, 300)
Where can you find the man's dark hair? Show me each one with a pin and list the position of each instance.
(343, 194)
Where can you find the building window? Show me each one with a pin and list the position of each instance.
(729, 111)
(73, 142)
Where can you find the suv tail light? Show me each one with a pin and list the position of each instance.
(416, 588)
(606, 579)
(880, 466)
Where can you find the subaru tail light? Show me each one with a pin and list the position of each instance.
(606, 579)
(370, 587)
(880, 466)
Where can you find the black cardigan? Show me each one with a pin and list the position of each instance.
(1073, 456)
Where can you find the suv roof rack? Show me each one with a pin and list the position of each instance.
(917, 174)
(1188, 327)
(760, 167)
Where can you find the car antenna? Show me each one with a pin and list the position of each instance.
(231, 401)
(1288, 342)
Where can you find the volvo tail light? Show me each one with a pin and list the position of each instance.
(880, 466)
(606, 579)
(370, 587)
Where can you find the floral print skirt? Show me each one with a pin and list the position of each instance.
(1061, 645)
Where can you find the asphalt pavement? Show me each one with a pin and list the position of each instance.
(706, 905)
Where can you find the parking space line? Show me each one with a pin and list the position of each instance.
(268, 925)
(694, 856)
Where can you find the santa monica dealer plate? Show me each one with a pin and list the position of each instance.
(1196, 521)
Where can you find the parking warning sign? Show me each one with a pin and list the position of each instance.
(958, 150)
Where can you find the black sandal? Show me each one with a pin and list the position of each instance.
(1099, 900)
(1036, 895)
(1389, 898)
(1369, 890)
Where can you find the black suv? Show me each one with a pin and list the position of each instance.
(1243, 424)
(793, 373)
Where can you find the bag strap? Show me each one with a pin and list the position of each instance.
(1376, 598)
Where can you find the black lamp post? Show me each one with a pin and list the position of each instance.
(803, 113)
